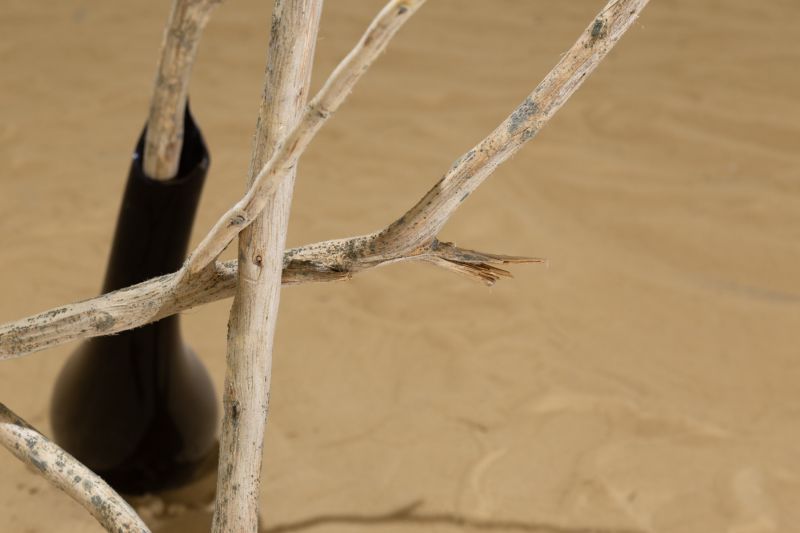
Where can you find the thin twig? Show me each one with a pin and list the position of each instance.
(164, 138)
(253, 317)
(68, 474)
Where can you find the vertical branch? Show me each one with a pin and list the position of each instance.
(261, 245)
(164, 138)
(68, 474)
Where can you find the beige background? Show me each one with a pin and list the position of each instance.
(647, 379)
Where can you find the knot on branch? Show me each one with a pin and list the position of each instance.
(319, 110)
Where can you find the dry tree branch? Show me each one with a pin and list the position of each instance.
(157, 298)
(164, 137)
(324, 104)
(339, 259)
(411, 237)
(68, 474)
(251, 328)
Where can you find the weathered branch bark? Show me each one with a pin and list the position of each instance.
(164, 138)
(253, 318)
(341, 258)
(324, 104)
(160, 297)
(68, 474)
(260, 219)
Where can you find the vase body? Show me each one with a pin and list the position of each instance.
(138, 407)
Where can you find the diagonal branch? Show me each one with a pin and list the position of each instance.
(68, 474)
(418, 227)
(425, 220)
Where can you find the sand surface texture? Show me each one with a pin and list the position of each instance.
(647, 380)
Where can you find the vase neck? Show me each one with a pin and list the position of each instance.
(156, 217)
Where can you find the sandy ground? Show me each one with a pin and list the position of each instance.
(646, 380)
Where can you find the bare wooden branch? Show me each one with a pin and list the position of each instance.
(325, 103)
(408, 238)
(251, 328)
(68, 474)
(161, 297)
(164, 137)
(260, 219)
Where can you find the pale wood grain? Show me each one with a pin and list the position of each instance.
(251, 328)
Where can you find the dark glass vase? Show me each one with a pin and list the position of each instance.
(138, 407)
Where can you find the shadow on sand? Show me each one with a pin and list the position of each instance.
(411, 515)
